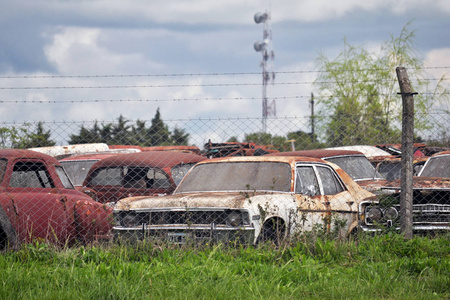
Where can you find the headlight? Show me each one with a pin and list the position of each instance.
(390, 213)
(129, 220)
(374, 213)
(234, 218)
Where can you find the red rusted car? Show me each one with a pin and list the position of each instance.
(38, 201)
(78, 166)
(139, 174)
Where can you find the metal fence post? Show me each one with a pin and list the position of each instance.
(406, 194)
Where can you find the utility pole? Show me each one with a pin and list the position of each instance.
(406, 183)
(312, 118)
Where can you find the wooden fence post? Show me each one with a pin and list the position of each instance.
(406, 194)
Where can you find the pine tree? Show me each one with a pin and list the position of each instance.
(159, 133)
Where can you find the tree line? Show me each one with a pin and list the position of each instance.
(124, 133)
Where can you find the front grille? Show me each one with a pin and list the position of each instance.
(184, 217)
(188, 217)
(431, 213)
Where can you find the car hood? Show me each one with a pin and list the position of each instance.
(422, 183)
(372, 185)
(210, 199)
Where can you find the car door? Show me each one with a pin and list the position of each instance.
(34, 206)
(327, 198)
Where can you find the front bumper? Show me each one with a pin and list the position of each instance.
(186, 234)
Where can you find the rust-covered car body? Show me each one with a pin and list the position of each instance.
(431, 200)
(139, 174)
(390, 166)
(214, 150)
(246, 199)
(354, 163)
(38, 201)
(179, 148)
(78, 166)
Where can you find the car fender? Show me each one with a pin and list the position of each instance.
(93, 220)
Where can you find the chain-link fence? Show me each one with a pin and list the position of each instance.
(274, 184)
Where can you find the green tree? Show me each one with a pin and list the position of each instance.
(179, 137)
(14, 137)
(264, 138)
(93, 135)
(121, 133)
(357, 92)
(303, 141)
(21, 137)
(39, 138)
(233, 139)
(158, 132)
(140, 133)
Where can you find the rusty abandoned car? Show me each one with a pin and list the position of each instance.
(431, 195)
(138, 174)
(38, 201)
(248, 200)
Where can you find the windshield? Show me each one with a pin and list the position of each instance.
(179, 171)
(358, 167)
(390, 170)
(238, 176)
(64, 178)
(77, 170)
(437, 166)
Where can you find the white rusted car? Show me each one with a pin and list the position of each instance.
(246, 199)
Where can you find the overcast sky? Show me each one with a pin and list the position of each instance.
(80, 41)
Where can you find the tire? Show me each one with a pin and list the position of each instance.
(273, 231)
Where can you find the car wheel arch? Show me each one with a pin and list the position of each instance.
(8, 236)
(273, 229)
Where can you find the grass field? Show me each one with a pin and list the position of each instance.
(380, 267)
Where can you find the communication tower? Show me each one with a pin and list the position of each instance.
(268, 75)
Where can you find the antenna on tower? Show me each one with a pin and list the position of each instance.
(265, 47)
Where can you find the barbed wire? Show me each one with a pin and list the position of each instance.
(196, 85)
(198, 74)
(186, 99)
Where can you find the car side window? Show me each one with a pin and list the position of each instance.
(30, 174)
(306, 181)
(135, 178)
(107, 176)
(158, 179)
(330, 183)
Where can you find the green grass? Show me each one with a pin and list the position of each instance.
(380, 267)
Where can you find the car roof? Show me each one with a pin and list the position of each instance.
(442, 153)
(367, 150)
(158, 159)
(318, 153)
(92, 156)
(266, 158)
(22, 153)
